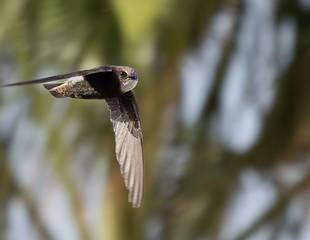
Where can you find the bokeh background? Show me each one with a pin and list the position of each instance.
(224, 95)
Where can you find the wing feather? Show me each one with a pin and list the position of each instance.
(128, 140)
(60, 76)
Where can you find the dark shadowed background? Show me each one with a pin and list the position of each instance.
(224, 95)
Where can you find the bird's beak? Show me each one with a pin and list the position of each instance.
(133, 76)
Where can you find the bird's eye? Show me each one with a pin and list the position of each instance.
(123, 74)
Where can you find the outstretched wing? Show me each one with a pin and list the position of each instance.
(128, 139)
(61, 76)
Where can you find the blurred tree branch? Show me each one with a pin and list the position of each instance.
(278, 207)
(10, 189)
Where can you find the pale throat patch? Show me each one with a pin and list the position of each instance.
(131, 84)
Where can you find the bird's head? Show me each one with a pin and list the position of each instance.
(127, 76)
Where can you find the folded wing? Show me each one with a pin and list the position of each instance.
(128, 139)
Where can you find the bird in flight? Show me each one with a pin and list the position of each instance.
(115, 85)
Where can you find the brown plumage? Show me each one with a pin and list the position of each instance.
(114, 84)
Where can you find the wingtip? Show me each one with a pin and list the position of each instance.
(8, 85)
(135, 198)
(135, 204)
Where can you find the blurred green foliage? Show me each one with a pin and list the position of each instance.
(44, 37)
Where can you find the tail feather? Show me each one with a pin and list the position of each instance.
(53, 89)
(49, 86)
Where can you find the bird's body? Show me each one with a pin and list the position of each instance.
(88, 87)
(114, 84)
